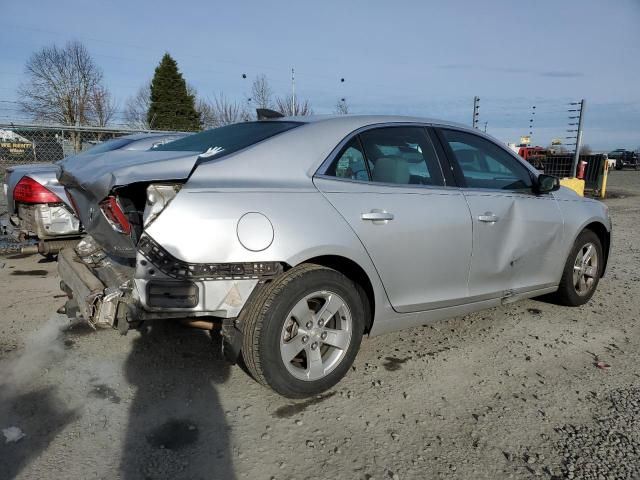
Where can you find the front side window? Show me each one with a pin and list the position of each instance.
(401, 155)
(484, 164)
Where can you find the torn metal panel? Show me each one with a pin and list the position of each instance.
(85, 287)
(107, 309)
(99, 174)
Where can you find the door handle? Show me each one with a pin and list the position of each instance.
(377, 216)
(488, 217)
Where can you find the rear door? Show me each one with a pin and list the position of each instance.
(517, 235)
(388, 185)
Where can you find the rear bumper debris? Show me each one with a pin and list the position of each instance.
(112, 292)
(87, 294)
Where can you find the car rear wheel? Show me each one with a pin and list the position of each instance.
(302, 331)
(582, 271)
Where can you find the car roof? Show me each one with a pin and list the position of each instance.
(361, 120)
(294, 156)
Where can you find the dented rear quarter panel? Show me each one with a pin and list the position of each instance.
(201, 226)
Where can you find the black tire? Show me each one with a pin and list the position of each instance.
(567, 293)
(263, 320)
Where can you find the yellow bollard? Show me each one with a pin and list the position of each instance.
(605, 175)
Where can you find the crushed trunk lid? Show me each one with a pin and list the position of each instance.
(99, 174)
(91, 179)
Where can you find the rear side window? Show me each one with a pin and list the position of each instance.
(484, 164)
(227, 139)
(397, 155)
(401, 155)
(350, 162)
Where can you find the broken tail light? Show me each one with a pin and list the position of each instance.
(28, 190)
(112, 211)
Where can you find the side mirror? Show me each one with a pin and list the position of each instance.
(546, 183)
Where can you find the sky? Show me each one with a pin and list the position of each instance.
(426, 58)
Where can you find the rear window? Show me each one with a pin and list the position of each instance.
(227, 139)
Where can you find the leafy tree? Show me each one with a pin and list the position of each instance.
(172, 107)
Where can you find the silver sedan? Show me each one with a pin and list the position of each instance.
(301, 235)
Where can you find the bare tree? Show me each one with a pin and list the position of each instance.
(285, 106)
(207, 112)
(136, 108)
(103, 106)
(221, 111)
(59, 86)
(342, 108)
(261, 92)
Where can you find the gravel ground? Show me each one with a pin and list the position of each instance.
(512, 392)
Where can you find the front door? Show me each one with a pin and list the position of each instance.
(388, 185)
(517, 235)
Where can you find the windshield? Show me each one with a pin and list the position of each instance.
(228, 139)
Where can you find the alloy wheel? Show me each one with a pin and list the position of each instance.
(585, 269)
(316, 335)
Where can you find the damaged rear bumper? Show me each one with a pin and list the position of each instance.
(89, 297)
(113, 292)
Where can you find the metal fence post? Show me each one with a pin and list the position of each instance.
(476, 111)
(576, 156)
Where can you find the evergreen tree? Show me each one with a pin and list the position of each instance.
(171, 107)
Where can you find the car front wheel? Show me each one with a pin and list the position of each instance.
(303, 330)
(582, 271)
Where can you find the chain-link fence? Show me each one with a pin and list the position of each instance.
(26, 143)
(561, 166)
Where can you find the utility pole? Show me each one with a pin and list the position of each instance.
(531, 119)
(476, 111)
(578, 137)
(293, 92)
(485, 127)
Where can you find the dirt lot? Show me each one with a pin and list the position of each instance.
(512, 392)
